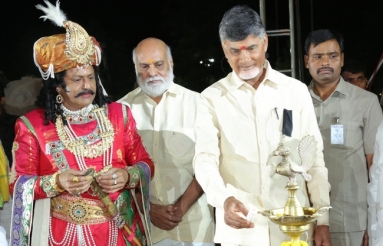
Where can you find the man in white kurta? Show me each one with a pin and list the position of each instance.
(375, 193)
(165, 115)
(239, 123)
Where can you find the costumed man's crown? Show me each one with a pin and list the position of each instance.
(60, 52)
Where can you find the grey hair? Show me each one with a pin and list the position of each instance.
(239, 22)
(168, 54)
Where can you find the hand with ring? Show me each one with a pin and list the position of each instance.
(113, 180)
(74, 181)
(114, 177)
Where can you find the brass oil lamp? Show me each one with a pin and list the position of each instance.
(293, 219)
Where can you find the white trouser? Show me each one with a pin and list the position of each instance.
(5, 217)
(3, 240)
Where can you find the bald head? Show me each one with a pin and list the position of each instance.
(154, 66)
(150, 47)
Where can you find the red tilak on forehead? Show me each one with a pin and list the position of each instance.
(243, 47)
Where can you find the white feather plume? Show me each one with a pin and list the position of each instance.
(53, 13)
(307, 151)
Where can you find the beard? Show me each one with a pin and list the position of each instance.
(158, 88)
(251, 74)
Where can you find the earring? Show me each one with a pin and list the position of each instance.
(59, 99)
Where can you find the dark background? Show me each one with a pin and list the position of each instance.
(190, 28)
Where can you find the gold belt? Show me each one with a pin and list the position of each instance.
(78, 210)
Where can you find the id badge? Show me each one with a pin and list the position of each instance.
(337, 133)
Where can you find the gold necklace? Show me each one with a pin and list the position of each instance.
(78, 146)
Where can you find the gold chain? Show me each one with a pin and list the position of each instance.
(78, 146)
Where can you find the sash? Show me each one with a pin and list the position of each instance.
(22, 211)
(144, 188)
(138, 222)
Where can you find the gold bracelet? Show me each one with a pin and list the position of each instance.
(54, 183)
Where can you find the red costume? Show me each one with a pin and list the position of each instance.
(39, 153)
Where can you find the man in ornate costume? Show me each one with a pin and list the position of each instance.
(79, 162)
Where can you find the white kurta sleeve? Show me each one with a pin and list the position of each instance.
(207, 154)
(375, 193)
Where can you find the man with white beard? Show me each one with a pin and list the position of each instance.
(239, 123)
(165, 115)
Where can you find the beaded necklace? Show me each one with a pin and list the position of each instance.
(81, 149)
(78, 146)
(84, 235)
(84, 111)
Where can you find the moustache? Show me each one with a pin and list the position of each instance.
(154, 79)
(84, 93)
(325, 68)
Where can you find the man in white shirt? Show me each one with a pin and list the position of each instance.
(375, 193)
(239, 123)
(165, 113)
(348, 118)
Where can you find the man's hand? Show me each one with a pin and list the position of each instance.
(179, 211)
(232, 206)
(74, 181)
(365, 238)
(113, 180)
(322, 236)
(164, 217)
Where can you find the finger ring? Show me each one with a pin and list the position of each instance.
(75, 179)
(115, 182)
(114, 176)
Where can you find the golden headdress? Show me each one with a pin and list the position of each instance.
(60, 52)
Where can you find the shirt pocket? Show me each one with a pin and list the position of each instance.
(352, 131)
(354, 134)
(273, 125)
(180, 143)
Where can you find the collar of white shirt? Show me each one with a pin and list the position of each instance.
(272, 78)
